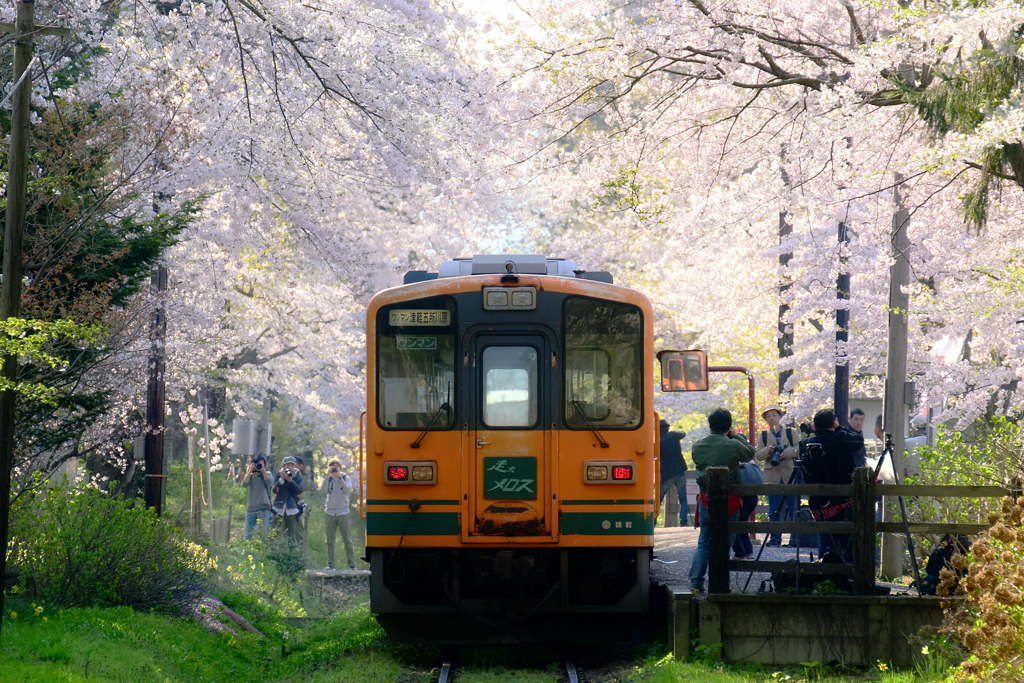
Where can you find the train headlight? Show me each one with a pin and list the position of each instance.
(410, 472)
(423, 473)
(608, 472)
(495, 298)
(510, 298)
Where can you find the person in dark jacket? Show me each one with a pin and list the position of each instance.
(831, 456)
(673, 469)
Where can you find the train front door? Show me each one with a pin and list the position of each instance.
(510, 486)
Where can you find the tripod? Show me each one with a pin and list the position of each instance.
(798, 469)
(903, 510)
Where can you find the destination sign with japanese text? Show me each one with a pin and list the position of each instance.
(420, 317)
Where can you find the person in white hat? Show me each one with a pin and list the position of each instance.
(777, 448)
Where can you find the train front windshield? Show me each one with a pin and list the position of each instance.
(603, 364)
(416, 365)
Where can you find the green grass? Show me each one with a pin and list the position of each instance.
(119, 644)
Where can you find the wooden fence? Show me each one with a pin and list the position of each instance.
(863, 527)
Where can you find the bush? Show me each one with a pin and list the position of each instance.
(989, 453)
(84, 548)
(990, 622)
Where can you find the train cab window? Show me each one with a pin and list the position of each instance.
(603, 364)
(510, 386)
(416, 365)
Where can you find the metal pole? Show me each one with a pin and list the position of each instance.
(10, 291)
(154, 442)
(895, 417)
(842, 385)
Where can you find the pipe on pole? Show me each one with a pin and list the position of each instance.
(154, 441)
(841, 395)
(751, 419)
(10, 290)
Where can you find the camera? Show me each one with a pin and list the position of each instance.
(810, 451)
(258, 465)
(776, 456)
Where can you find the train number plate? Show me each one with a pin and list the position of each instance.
(510, 478)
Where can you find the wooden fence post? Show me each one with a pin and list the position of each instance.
(864, 532)
(718, 529)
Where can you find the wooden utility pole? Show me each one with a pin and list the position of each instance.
(154, 441)
(895, 407)
(842, 385)
(10, 291)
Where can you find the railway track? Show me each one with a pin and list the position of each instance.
(447, 672)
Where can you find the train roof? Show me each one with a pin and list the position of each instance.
(551, 274)
(499, 264)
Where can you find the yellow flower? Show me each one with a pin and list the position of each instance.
(925, 650)
(13, 615)
(39, 610)
(882, 666)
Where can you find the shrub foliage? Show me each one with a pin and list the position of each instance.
(990, 621)
(82, 548)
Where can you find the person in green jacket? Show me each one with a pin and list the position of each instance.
(721, 448)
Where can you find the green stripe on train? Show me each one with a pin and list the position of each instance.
(398, 501)
(605, 523)
(412, 523)
(627, 501)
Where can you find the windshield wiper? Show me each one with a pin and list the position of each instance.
(433, 420)
(578, 407)
(444, 408)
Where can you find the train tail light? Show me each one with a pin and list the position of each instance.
(398, 473)
(608, 472)
(622, 472)
(410, 472)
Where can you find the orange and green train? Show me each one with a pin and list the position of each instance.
(511, 443)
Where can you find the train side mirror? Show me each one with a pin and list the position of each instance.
(684, 370)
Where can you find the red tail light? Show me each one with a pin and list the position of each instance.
(398, 473)
(622, 472)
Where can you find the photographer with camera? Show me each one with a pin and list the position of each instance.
(723, 447)
(829, 457)
(257, 483)
(777, 450)
(337, 490)
(288, 498)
